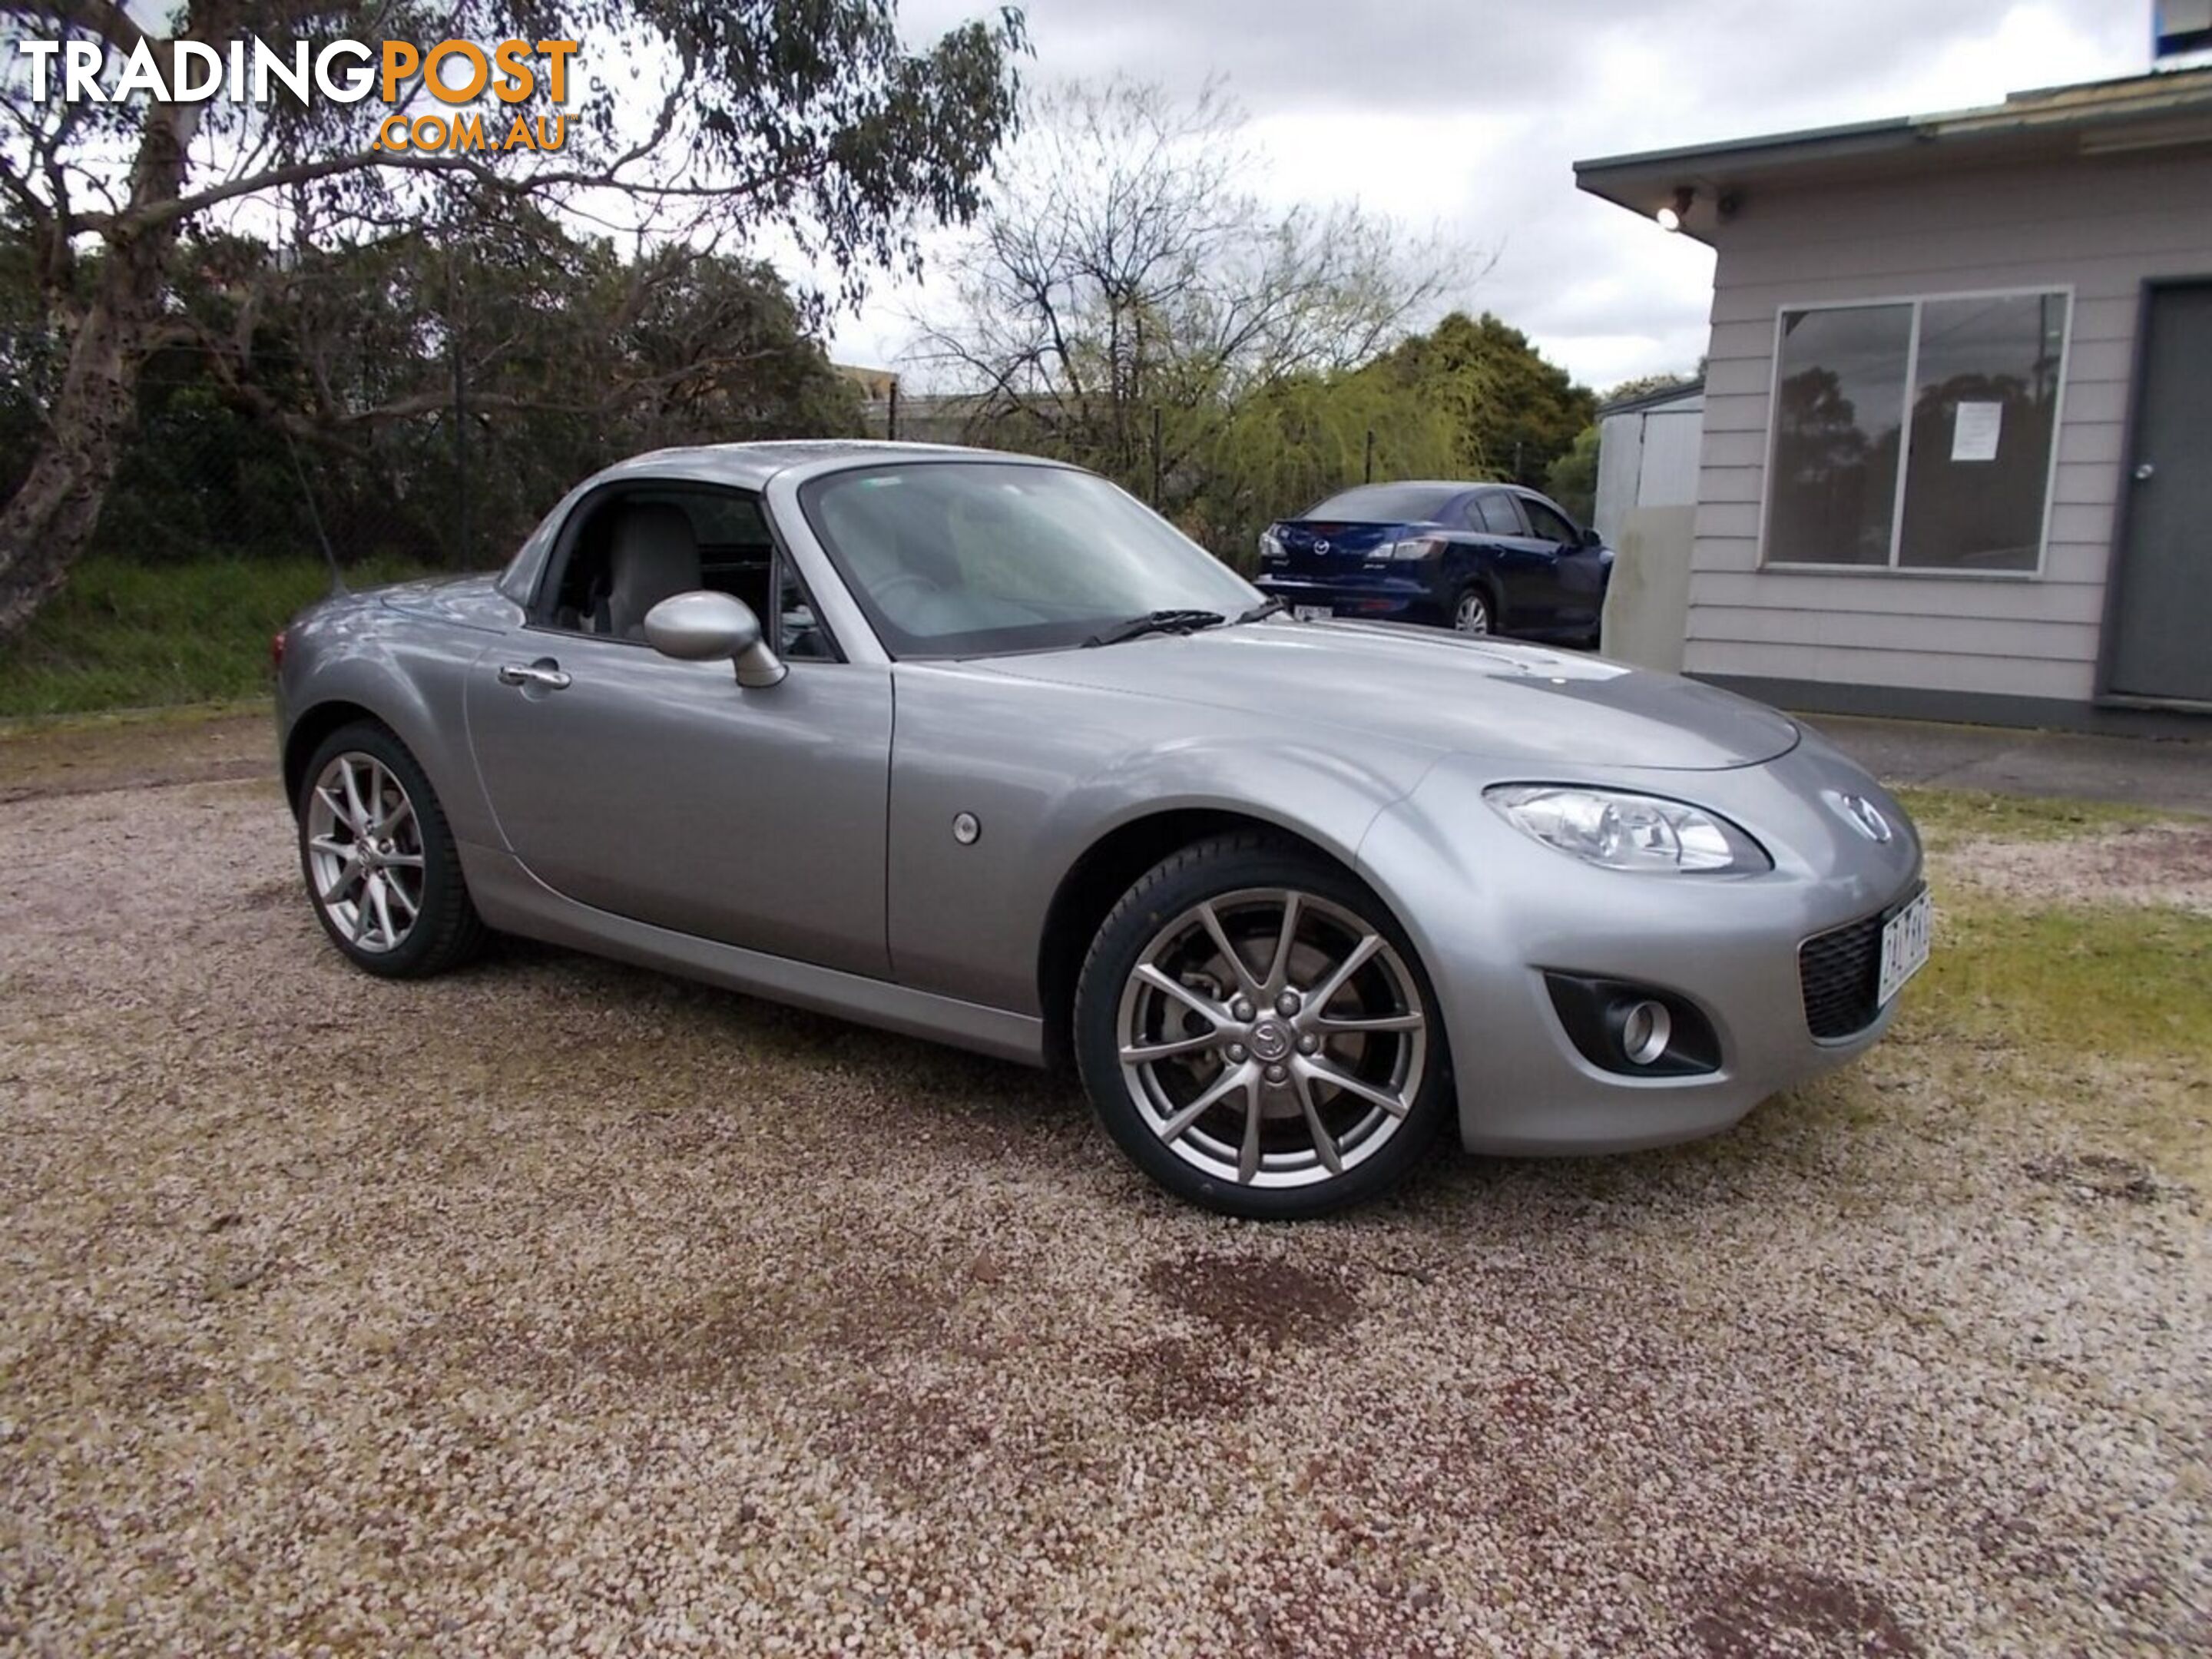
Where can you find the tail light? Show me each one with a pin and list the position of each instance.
(1412, 547)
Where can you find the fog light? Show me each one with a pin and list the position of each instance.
(1631, 1030)
(1645, 1033)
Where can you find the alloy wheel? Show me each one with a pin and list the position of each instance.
(1272, 1038)
(365, 852)
(1472, 615)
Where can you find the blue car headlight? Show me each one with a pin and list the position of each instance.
(1617, 830)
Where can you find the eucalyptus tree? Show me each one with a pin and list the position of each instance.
(706, 124)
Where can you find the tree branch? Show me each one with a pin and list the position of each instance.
(108, 21)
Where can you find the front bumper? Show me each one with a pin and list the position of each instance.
(1490, 911)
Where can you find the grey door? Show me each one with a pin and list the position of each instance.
(2164, 607)
(660, 791)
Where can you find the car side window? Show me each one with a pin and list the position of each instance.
(800, 636)
(634, 546)
(1498, 516)
(1547, 526)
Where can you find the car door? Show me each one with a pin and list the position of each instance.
(1527, 570)
(1554, 540)
(1579, 568)
(662, 791)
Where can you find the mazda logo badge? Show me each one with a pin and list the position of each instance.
(1321, 544)
(1865, 817)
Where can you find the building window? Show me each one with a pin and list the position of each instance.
(1917, 435)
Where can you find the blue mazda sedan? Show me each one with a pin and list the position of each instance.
(1482, 558)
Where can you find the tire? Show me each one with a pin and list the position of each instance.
(1235, 889)
(361, 900)
(1475, 612)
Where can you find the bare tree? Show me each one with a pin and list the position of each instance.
(719, 121)
(1123, 264)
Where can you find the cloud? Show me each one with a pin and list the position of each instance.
(1467, 118)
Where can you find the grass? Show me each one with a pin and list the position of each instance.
(1946, 818)
(125, 635)
(2131, 981)
(2071, 1022)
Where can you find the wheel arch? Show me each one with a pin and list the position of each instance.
(365, 667)
(308, 734)
(1107, 869)
(1482, 572)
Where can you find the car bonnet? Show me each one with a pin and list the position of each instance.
(1527, 705)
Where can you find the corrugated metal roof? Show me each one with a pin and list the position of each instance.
(1673, 394)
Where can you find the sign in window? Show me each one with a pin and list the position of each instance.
(1916, 434)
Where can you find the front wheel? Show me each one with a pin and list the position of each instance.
(1255, 1032)
(381, 865)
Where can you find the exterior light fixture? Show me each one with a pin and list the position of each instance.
(1671, 218)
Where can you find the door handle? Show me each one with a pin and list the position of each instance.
(543, 674)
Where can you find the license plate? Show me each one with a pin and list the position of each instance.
(1312, 612)
(1905, 945)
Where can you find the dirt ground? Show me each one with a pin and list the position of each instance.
(556, 1307)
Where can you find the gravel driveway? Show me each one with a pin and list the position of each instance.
(560, 1308)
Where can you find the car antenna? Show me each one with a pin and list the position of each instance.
(338, 588)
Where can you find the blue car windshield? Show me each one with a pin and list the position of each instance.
(983, 558)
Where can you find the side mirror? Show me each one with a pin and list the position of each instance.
(1591, 538)
(704, 627)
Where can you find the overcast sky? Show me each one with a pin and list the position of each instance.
(1467, 116)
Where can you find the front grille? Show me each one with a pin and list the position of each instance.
(1841, 972)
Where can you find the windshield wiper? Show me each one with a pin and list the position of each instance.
(1157, 622)
(1264, 608)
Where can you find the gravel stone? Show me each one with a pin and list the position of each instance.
(2168, 865)
(556, 1307)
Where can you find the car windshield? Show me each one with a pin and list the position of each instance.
(979, 558)
(1394, 503)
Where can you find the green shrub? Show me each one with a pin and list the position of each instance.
(129, 635)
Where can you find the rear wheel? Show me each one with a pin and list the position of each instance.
(381, 865)
(1255, 1032)
(1473, 614)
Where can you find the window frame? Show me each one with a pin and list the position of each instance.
(554, 571)
(1770, 435)
(1531, 505)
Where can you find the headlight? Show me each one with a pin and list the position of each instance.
(1412, 547)
(1616, 830)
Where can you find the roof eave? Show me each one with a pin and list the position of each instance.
(2167, 110)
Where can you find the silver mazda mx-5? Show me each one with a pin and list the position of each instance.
(976, 747)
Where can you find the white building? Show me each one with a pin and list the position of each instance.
(1955, 455)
